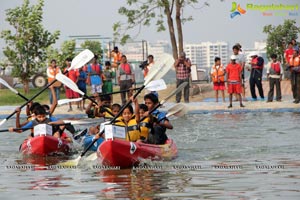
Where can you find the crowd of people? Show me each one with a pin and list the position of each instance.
(234, 75)
(140, 124)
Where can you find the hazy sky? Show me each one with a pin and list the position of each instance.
(213, 23)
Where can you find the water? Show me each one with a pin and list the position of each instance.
(221, 156)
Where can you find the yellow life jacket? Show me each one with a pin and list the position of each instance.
(132, 129)
(145, 128)
(107, 116)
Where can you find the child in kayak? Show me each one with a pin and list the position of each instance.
(104, 108)
(161, 122)
(130, 120)
(145, 125)
(115, 108)
(91, 136)
(40, 118)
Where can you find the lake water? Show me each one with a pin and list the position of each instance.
(221, 156)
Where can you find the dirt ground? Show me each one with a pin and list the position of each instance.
(204, 100)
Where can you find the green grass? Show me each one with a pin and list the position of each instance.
(8, 98)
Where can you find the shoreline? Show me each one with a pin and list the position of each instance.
(193, 108)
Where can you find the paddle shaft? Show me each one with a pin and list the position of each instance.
(114, 119)
(116, 92)
(25, 129)
(40, 92)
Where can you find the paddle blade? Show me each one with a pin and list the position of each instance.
(70, 163)
(178, 89)
(160, 68)
(68, 82)
(177, 110)
(92, 157)
(3, 82)
(64, 101)
(2, 122)
(81, 59)
(156, 85)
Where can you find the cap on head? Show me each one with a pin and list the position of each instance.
(233, 57)
(254, 53)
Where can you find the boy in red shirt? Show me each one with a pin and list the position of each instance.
(73, 75)
(234, 77)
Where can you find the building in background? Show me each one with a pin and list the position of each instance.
(203, 54)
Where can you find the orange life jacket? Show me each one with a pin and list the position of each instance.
(53, 72)
(218, 74)
(294, 62)
(117, 57)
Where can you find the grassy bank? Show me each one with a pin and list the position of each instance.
(8, 98)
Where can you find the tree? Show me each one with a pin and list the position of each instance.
(279, 36)
(67, 50)
(27, 44)
(143, 12)
(94, 46)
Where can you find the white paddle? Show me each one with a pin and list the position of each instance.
(80, 60)
(155, 85)
(177, 110)
(154, 74)
(3, 82)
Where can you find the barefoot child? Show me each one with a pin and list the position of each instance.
(234, 77)
(218, 75)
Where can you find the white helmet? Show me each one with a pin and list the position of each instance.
(253, 53)
(233, 57)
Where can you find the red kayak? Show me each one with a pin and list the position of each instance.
(124, 154)
(45, 145)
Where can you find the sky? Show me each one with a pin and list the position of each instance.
(212, 23)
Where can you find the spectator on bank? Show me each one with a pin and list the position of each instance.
(94, 75)
(117, 57)
(234, 78)
(294, 65)
(183, 72)
(52, 70)
(257, 65)
(81, 83)
(108, 75)
(241, 60)
(274, 75)
(218, 78)
(126, 78)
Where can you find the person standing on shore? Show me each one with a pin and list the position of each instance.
(108, 75)
(257, 65)
(218, 78)
(126, 78)
(183, 72)
(52, 70)
(94, 75)
(274, 75)
(234, 78)
(81, 83)
(73, 75)
(241, 60)
(117, 57)
(294, 65)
